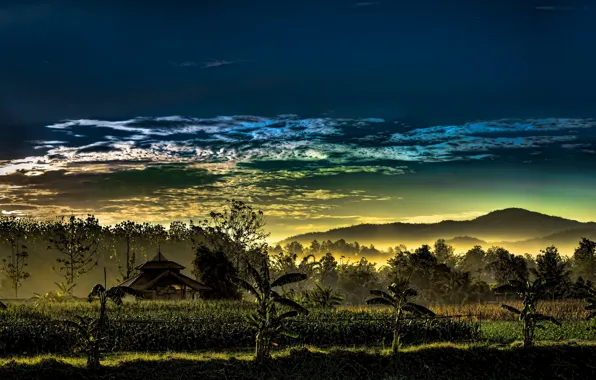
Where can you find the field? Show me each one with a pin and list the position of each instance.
(211, 338)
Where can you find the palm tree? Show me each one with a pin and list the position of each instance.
(323, 297)
(268, 323)
(397, 296)
(530, 292)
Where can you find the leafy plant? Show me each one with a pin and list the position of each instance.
(267, 320)
(323, 297)
(530, 292)
(93, 329)
(398, 296)
(63, 294)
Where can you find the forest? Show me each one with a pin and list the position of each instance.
(70, 253)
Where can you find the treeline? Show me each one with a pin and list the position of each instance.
(438, 273)
(71, 250)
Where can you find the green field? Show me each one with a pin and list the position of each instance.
(204, 340)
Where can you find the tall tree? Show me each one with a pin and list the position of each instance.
(473, 261)
(128, 237)
(551, 267)
(14, 232)
(295, 248)
(328, 270)
(77, 241)
(445, 253)
(505, 266)
(584, 260)
(238, 230)
(315, 247)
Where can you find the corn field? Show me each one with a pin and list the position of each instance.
(154, 326)
(151, 326)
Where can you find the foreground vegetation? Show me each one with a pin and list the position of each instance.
(186, 326)
(437, 361)
(154, 326)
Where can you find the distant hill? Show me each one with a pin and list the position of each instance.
(515, 227)
(466, 240)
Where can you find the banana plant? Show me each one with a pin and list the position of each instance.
(267, 320)
(530, 293)
(92, 340)
(398, 297)
(92, 330)
(323, 297)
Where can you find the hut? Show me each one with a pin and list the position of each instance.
(160, 279)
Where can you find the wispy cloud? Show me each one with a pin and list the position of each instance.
(217, 63)
(184, 64)
(177, 167)
(558, 8)
(366, 4)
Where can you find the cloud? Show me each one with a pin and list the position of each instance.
(366, 4)
(441, 217)
(553, 8)
(216, 63)
(295, 169)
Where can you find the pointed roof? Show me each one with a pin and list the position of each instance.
(145, 281)
(160, 262)
(160, 257)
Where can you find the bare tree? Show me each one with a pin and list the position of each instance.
(127, 238)
(77, 241)
(14, 232)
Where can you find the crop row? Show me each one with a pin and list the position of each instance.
(35, 337)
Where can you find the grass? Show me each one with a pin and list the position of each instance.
(509, 331)
(434, 361)
(563, 310)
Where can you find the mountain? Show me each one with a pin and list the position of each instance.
(515, 226)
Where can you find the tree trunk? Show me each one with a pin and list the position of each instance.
(263, 349)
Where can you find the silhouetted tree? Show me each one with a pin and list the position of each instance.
(127, 236)
(214, 269)
(77, 242)
(551, 267)
(505, 266)
(295, 248)
(14, 232)
(445, 253)
(584, 260)
(328, 270)
(473, 261)
(238, 230)
(314, 248)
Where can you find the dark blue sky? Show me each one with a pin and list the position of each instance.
(428, 68)
(431, 61)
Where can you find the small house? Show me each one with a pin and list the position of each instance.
(160, 279)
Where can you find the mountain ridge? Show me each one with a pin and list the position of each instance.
(510, 226)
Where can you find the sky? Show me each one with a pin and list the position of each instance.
(320, 113)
